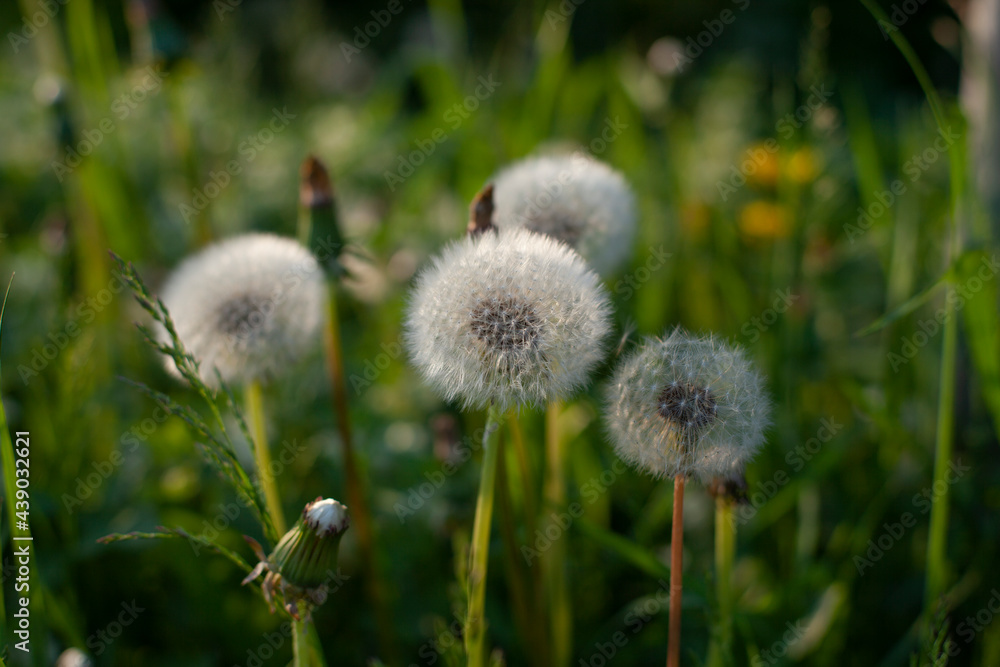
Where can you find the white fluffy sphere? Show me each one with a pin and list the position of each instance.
(685, 405)
(576, 199)
(509, 318)
(248, 306)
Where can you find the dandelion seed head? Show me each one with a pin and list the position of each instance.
(249, 306)
(326, 516)
(576, 199)
(507, 317)
(687, 405)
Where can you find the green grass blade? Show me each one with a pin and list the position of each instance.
(982, 324)
(907, 306)
(625, 549)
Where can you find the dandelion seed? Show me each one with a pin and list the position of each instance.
(248, 306)
(578, 200)
(507, 318)
(685, 405)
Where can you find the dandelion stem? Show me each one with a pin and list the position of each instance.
(300, 644)
(554, 560)
(356, 495)
(258, 429)
(475, 622)
(319, 227)
(725, 549)
(676, 578)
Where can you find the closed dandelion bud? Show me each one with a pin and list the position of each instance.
(507, 318)
(574, 199)
(247, 306)
(685, 405)
(308, 552)
(305, 559)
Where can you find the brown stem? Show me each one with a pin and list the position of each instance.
(356, 500)
(676, 580)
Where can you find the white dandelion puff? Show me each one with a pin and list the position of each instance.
(508, 318)
(248, 306)
(576, 199)
(685, 405)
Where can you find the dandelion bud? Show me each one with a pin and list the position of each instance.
(481, 212)
(305, 558)
(574, 199)
(507, 318)
(685, 405)
(308, 552)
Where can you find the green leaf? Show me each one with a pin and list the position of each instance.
(625, 548)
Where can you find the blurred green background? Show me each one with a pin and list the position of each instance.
(752, 157)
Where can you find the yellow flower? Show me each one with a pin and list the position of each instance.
(762, 219)
(762, 166)
(695, 217)
(802, 167)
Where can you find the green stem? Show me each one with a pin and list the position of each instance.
(258, 429)
(475, 622)
(553, 561)
(300, 644)
(307, 650)
(938, 532)
(720, 650)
